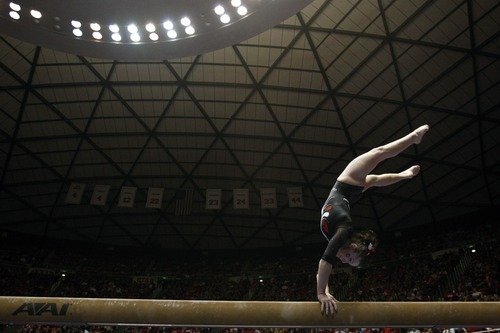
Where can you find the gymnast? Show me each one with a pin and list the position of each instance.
(351, 247)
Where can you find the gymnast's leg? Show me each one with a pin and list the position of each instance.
(358, 170)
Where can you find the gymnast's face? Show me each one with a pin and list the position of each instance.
(348, 256)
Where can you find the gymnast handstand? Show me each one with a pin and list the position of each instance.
(336, 223)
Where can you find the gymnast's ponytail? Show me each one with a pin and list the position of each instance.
(365, 241)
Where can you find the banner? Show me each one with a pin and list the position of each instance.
(127, 197)
(183, 202)
(155, 197)
(100, 195)
(75, 193)
(295, 197)
(213, 199)
(268, 198)
(241, 199)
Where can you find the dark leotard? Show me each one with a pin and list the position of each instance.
(336, 223)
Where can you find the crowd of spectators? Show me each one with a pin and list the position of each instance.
(413, 266)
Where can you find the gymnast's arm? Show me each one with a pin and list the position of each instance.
(328, 302)
(324, 271)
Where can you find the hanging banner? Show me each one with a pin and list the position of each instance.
(100, 195)
(155, 197)
(127, 196)
(241, 198)
(295, 197)
(213, 199)
(75, 193)
(183, 202)
(268, 198)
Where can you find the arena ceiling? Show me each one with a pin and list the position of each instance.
(287, 108)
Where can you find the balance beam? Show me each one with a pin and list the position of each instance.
(141, 312)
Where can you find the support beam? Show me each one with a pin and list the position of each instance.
(100, 311)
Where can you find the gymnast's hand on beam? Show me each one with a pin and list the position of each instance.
(328, 304)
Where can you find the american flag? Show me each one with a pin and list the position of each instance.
(183, 202)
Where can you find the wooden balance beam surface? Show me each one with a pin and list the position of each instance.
(181, 313)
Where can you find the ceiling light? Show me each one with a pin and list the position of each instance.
(132, 28)
(219, 10)
(70, 28)
(36, 14)
(242, 10)
(168, 25)
(225, 18)
(95, 26)
(185, 21)
(15, 6)
(114, 28)
(135, 37)
(172, 34)
(14, 15)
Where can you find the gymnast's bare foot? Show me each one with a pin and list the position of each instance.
(420, 132)
(411, 172)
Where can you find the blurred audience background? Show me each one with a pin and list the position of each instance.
(449, 263)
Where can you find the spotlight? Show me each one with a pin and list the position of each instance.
(189, 30)
(172, 34)
(242, 10)
(168, 25)
(95, 26)
(76, 24)
(97, 35)
(219, 10)
(116, 37)
(153, 36)
(150, 27)
(36, 14)
(132, 28)
(236, 3)
(185, 21)
(77, 32)
(225, 18)
(14, 15)
(15, 6)
(114, 28)
(135, 37)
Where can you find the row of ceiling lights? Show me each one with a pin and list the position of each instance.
(116, 30)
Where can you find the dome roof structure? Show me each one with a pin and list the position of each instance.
(237, 147)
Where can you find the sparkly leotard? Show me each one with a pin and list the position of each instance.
(336, 222)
